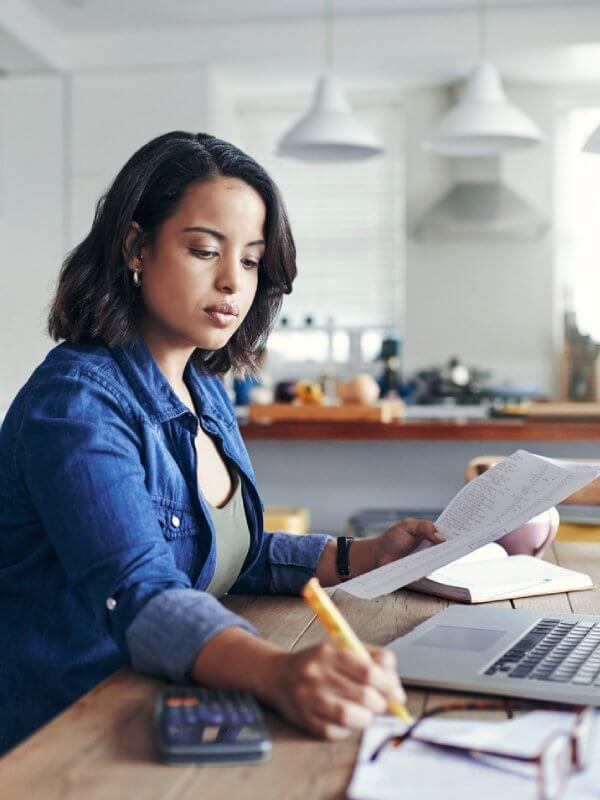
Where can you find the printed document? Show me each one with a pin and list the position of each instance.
(498, 501)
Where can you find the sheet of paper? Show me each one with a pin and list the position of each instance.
(498, 501)
(419, 770)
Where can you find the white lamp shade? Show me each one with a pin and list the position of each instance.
(483, 122)
(593, 143)
(329, 131)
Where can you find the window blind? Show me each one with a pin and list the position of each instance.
(347, 221)
(578, 200)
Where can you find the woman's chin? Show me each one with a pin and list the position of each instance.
(214, 340)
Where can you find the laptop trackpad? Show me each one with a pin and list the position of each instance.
(459, 638)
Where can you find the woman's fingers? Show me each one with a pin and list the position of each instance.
(338, 709)
(421, 529)
(369, 673)
(404, 537)
(387, 660)
(325, 729)
(362, 694)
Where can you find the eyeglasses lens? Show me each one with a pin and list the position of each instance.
(584, 736)
(556, 766)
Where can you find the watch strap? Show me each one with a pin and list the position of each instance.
(342, 559)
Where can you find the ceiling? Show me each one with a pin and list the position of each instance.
(93, 16)
(377, 43)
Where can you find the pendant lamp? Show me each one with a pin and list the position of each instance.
(592, 145)
(329, 131)
(483, 123)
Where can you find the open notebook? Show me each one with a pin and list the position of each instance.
(489, 573)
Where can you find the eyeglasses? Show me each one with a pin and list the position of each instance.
(559, 755)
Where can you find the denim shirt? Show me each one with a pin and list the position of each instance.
(106, 542)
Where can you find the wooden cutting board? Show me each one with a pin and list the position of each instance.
(382, 411)
(564, 410)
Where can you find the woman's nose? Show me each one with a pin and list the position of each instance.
(228, 275)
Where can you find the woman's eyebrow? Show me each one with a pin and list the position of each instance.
(202, 229)
(217, 234)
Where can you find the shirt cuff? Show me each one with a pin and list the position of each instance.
(170, 630)
(294, 559)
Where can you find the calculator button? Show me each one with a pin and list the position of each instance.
(212, 716)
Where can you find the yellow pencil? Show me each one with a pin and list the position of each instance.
(331, 618)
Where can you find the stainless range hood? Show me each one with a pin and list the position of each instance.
(480, 206)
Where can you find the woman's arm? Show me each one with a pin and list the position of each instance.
(324, 689)
(79, 456)
(367, 554)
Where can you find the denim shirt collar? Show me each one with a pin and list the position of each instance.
(156, 394)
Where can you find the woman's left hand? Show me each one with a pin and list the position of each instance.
(402, 538)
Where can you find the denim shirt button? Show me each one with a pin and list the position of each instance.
(175, 521)
(111, 603)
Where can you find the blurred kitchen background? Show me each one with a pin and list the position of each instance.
(457, 267)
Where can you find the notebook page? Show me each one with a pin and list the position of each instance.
(498, 501)
(514, 576)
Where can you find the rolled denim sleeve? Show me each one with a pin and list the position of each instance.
(286, 561)
(80, 456)
(166, 636)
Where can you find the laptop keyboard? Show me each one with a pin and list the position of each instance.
(554, 650)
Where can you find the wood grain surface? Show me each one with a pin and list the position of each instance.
(102, 747)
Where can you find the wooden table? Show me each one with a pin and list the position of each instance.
(102, 748)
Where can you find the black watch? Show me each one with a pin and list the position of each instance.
(342, 562)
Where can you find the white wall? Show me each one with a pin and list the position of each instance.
(31, 221)
(114, 113)
(492, 304)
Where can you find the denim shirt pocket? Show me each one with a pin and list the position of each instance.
(188, 538)
(176, 519)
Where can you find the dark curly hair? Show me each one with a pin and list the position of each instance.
(95, 298)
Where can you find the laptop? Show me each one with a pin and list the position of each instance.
(504, 651)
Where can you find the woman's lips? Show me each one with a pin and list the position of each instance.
(222, 315)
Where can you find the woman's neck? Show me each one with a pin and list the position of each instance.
(171, 357)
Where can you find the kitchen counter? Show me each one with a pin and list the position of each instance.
(484, 430)
(336, 469)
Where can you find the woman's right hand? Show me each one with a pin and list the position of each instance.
(329, 690)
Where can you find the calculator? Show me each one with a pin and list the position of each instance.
(210, 726)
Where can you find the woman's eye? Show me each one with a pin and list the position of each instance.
(249, 263)
(199, 253)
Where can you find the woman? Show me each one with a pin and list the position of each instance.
(127, 500)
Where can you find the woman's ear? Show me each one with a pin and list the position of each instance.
(132, 253)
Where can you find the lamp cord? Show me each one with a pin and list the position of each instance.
(482, 30)
(328, 15)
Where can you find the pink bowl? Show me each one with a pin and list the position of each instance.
(534, 536)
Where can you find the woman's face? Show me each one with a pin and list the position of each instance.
(200, 275)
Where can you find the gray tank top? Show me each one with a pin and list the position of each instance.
(232, 539)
